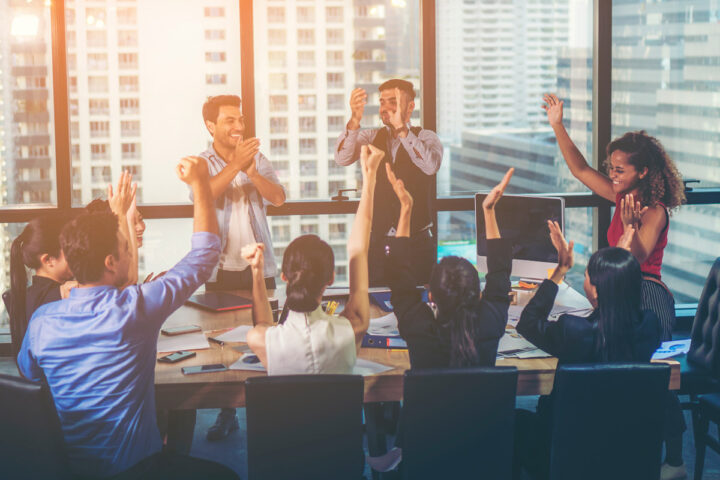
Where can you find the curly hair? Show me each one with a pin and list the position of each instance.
(663, 182)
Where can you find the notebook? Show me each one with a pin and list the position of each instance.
(219, 301)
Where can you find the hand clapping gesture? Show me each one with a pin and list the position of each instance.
(554, 108)
(358, 99)
(245, 151)
(564, 249)
(399, 117)
(631, 212)
(192, 170)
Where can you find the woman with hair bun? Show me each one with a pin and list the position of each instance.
(310, 340)
(37, 248)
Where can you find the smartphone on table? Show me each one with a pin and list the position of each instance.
(176, 357)
(180, 330)
(217, 367)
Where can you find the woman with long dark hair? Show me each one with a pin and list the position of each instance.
(460, 328)
(645, 186)
(37, 248)
(311, 340)
(617, 330)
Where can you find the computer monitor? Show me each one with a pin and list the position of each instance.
(523, 222)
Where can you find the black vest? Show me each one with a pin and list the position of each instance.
(386, 208)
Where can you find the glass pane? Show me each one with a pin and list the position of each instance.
(8, 233)
(137, 89)
(666, 75)
(334, 229)
(165, 242)
(27, 131)
(457, 236)
(495, 60)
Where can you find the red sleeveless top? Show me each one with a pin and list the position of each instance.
(653, 263)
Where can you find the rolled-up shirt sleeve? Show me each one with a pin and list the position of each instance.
(347, 146)
(425, 150)
(265, 168)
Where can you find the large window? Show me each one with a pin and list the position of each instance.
(495, 60)
(666, 75)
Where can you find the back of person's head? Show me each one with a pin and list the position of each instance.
(211, 107)
(455, 289)
(308, 265)
(663, 182)
(616, 275)
(41, 236)
(87, 241)
(403, 85)
(98, 206)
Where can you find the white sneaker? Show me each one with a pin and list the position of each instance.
(668, 472)
(387, 462)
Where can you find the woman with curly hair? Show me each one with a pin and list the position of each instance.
(645, 185)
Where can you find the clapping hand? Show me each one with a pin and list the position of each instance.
(494, 196)
(121, 200)
(554, 108)
(403, 195)
(254, 255)
(245, 151)
(358, 99)
(397, 118)
(631, 212)
(564, 249)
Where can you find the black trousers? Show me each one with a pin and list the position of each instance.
(242, 280)
(424, 252)
(173, 466)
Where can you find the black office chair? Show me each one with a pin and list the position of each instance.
(31, 443)
(305, 427)
(608, 421)
(702, 379)
(458, 423)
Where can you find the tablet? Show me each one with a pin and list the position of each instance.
(219, 301)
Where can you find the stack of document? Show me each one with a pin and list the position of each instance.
(514, 345)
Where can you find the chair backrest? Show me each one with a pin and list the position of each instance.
(705, 344)
(31, 440)
(458, 423)
(608, 421)
(305, 426)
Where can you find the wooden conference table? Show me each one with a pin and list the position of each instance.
(227, 389)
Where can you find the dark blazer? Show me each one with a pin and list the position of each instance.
(429, 341)
(572, 338)
(43, 290)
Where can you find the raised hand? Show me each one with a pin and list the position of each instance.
(564, 249)
(192, 170)
(358, 99)
(403, 195)
(494, 196)
(625, 240)
(245, 151)
(397, 118)
(370, 158)
(631, 212)
(121, 200)
(554, 108)
(254, 255)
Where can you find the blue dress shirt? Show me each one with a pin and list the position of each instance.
(97, 351)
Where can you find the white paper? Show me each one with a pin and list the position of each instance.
(241, 365)
(385, 325)
(514, 345)
(671, 349)
(185, 341)
(237, 334)
(366, 367)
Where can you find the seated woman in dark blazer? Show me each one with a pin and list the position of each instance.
(463, 328)
(616, 331)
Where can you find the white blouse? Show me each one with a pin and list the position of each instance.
(313, 342)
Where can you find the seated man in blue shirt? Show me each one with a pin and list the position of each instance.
(97, 349)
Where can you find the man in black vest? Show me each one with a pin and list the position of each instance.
(414, 155)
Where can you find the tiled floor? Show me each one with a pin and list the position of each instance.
(232, 450)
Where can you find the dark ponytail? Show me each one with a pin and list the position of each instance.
(616, 275)
(40, 236)
(308, 265)
(455, 289)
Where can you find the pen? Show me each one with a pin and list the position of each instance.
(215, 340)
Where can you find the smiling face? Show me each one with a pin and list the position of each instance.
(229, 127)
(623, 174)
